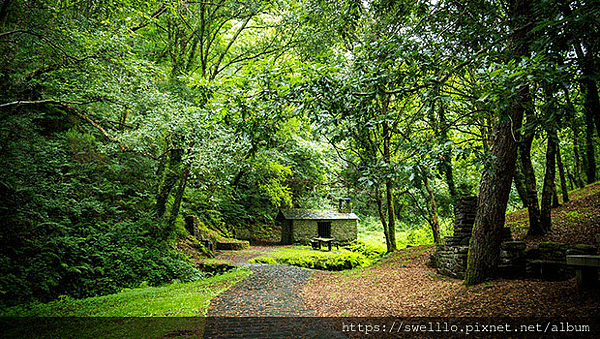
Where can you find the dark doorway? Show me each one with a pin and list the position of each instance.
(324, 229)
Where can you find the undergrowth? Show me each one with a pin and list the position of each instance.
(370, 231)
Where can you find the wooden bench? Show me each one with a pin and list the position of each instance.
(317, 242)
(586, 269)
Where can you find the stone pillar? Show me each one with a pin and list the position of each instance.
(451, 255)
(465, 211)
(464, 219)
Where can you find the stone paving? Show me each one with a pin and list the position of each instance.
(271, 291)
(268, 304)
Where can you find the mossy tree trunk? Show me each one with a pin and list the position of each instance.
(547, 191)
(168, 180)
(563, 177)
(484, 249)
(170, 227)
(533, 205)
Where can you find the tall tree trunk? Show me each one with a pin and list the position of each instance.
(546, 215)
(590, 154)
(382, 218)
(591, 109)
(433, 211)
(389, 185)
(391, 217)
(170, 228)
(484, 249)
(592, 100)
(171, 177)
(519, 181)
(577, 159)
(533, 206)
(389, 190)
(590, 168)
(589, 88)
(561, 172)
(574, 128)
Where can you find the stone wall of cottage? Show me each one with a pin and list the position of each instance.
(341, 230)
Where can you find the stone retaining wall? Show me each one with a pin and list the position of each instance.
(450, 257)
(547, 262)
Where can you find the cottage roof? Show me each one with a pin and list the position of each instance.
(295, 214)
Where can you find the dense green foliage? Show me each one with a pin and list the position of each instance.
(108, 140)
(121, 118)
(75, 219)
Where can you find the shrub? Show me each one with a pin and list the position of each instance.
(369, 250)
(215, 266)
(308, 258)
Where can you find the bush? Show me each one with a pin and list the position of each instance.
(369, 250)
(309, 258)
(215, 266)
(73, 218)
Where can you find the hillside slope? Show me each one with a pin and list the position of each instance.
(574, 222)
(403, 285)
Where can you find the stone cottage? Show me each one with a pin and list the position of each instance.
(301, 225)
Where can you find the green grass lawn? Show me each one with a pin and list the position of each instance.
(69, 318)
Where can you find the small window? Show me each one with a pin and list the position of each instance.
(324, 229)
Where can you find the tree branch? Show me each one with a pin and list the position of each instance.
(157, 13)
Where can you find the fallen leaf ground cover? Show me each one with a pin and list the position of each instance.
(403, 285)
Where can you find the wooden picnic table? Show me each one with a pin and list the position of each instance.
(317, 242)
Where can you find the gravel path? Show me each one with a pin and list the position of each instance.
(268, 304)
(271, 291)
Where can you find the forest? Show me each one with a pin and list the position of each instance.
(121, 118)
